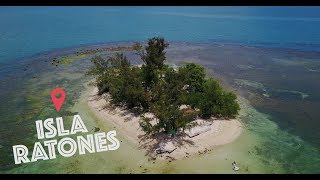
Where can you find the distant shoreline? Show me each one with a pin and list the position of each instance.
(221, 132)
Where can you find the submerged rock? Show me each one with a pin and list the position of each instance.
(96, 129)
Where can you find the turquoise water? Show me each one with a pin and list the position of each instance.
(281, 83)
(263, 147)
(25, 31)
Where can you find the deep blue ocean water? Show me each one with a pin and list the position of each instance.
(25, 31)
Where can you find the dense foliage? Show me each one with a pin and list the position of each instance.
(155, 87)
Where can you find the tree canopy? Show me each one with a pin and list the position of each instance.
(158, 88)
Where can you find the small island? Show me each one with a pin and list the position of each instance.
(169, 112)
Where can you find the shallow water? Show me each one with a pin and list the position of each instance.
(270, 142)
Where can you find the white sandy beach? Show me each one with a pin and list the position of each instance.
(221, 131)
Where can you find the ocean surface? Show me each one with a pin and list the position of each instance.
(269, 55)
(25, 31)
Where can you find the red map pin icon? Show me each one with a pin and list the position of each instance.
(58, 101)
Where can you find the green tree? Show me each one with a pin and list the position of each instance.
(135, 94)
(170, 117)
(193, 98)
(228, 106)
(158, 88)
(211, 95)
(193, 75)
(173, 84)
(119, 66)
(215, 101)
(122, 81)
(100, 70)
(153, 56)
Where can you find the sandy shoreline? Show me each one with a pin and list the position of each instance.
(221, 132)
